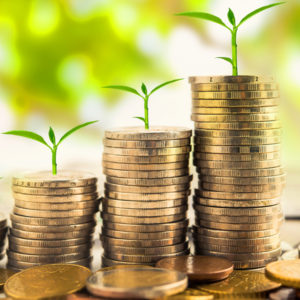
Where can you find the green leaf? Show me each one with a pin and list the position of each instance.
(140, 118)
(231, 17)
(164, 84)
(28, 135)
(253, 13)
(52, 136)
(228, 59)
(123, 88)
(204, 16)
(144, 89)
(74, 129)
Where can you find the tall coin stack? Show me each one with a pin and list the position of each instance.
(144, 210)
(237, 156)
(53, 220)
(3, 232)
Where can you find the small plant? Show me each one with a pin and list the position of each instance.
(233, 30)
(52, 138)
(145, 95)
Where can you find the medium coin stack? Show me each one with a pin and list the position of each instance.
(237, 156)
(146, 194)
(53, 220)
(3, 232)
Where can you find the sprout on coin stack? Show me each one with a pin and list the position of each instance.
(237, 156)
(53, 219)
(146, 191)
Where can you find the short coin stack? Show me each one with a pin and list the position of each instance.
(3, 232)
(237, 156)
(146, 194)
(53, 220)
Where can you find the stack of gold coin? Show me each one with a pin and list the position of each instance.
(237, 156)
(146, 194)
(3, 232)
(53, 220)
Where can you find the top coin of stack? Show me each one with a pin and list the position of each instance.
(237, 156)
(146, 194)
(3, 232)
(53, 219)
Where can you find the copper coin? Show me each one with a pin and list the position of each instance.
(200, 268)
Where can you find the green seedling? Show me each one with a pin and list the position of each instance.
(145, 95)
(52, 138)
(233, 30)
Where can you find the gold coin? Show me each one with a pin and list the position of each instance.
(237, 196)
(231, 79)
(54, 191)
(240, 283)
(143, 204)
(4, 275)
(144, 212)
(51, 235)
(242, 188)
(234, 234)
(51, 221)
(238, 133)
(227, 103)
(238, 125)
(234, 110)
(144, 220)
(146, 174)
(146, 143)
(48, 281)
(55, 199)
(48, 243)
(64, 179)
(54, 214)
(147, 197)
(243, 95)
(220, 87)
(191, 294)
(235, 118)
(144, 235)
(145, 167)
(146, 251)
(134, 283)
(237, 165)
(239, 141)
(182, 180)
(279, 179)
(146, 228)
(238, 149)
(58, 206)
(139, 243)
(286, 272)
(107, 262)
(159, 159)
(54, 229)
(236, 203)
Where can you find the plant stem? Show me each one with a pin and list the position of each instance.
(146, 110)
(234, 51)
(54, 164)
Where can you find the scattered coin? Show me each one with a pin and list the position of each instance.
(4, 275)
(191, 294)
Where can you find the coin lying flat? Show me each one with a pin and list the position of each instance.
(216, 87)
(226, 103)
(4, 275)
(191, 294)
(235, 117)
(47, 281)
(234, 110)
(134, 283)
(231, 79)
(108, 262)
(199, 268)
(239, 125)
(286, 272)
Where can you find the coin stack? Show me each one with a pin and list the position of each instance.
(53, 220)
(146, 194)
(3, 232)
(237, 156)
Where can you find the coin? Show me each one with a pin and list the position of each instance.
(4, 275)
(234, 110)
(154, 133)
(143, 220)
(64, 179)
(235, 118)
(146, 143)
(147, 197)
(46, 281)
(146, 228)
(230, 79)
(134, 283)
(200, 268)
(215, 87)
(237, 165)
(240, 283)
(226, 103)
(81, 296)
(239, 125)
(236, 95)
(146, 174)
(144, 235)
(143, 204)
(191, 294)
(181, 180)
(107, 262)
(286, 272)
(159, 159)
(237, 133)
